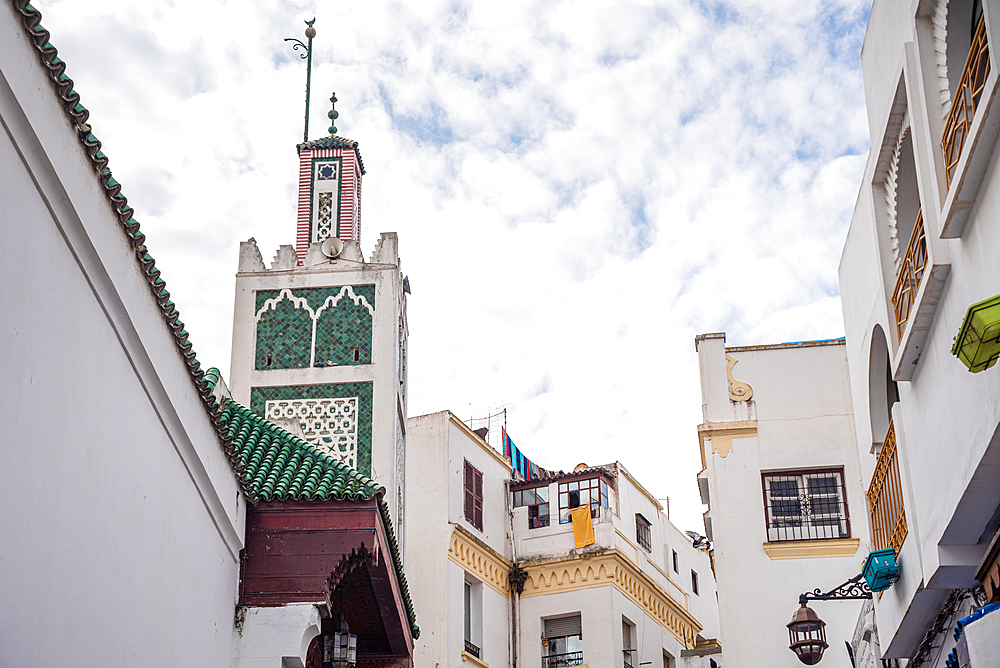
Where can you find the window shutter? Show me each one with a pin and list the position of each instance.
(470, 504)
(626, 636)
(479, 499)
(564, 626)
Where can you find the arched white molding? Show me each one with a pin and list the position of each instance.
(349, 291)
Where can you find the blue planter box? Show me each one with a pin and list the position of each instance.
(881, 570)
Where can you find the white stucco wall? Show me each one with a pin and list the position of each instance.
(122, 520)
(275, 637)
(438, 447)
(803, 419)
(946, 419)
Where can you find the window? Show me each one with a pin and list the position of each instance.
(628, 644)
(474, 496)
(642, 533)
(537, 500)
(674, 559)
(805, 505)
(579, 493)
(562, 642)
(694, 582)
(473, 616)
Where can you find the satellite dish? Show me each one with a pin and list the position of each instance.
(332, 247)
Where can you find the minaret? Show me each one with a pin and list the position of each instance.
(330, 171)
(319, 339)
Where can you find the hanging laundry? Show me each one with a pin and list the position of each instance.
(583, 526)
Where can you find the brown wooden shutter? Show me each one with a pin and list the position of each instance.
(470, 503)
(479, 499)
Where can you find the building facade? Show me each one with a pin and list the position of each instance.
(782, 482)
(920, 251)
(504, 583)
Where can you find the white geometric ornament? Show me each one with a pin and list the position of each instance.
(330, 424)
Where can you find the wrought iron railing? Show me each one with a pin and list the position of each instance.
(885, 498)
(967, 97)
(472, 649)
(560, 660)
(911, 273)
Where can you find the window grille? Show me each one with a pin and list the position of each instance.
(805, 505)
(642, 533)
(474, 496)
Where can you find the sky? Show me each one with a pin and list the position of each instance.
(579, 188)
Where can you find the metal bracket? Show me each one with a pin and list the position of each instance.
(854, 589)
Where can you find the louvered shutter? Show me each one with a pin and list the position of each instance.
(478, 475)
(626, 636)
(562, 627)
(470, 502)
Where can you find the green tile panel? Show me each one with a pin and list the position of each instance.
(284, 330)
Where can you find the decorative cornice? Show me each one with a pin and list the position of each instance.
(722, 434)
(481, 561)
(811, 549)
(613, 568)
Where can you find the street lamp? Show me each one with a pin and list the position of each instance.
(807, 634)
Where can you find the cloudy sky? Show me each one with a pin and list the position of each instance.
(579, 187)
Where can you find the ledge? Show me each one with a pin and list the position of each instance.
(812, 549)
(476, 662)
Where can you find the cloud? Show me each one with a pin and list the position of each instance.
(579, 187)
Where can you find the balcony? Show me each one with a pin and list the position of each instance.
(560, 660)
(969, 133)
(911, 274)
(885, 498)
(970, 92)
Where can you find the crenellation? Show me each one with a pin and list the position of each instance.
(285, 258)
(250, 257)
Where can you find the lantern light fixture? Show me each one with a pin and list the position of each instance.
(340, 650)
(807, 634)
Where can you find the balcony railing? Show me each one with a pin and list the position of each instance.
(885, 498)
(472, 649)
(560, 660)
(911, 273)
(963, 108)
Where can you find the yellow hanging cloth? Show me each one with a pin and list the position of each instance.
(583, 527)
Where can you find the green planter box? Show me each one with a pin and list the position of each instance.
(978, 341)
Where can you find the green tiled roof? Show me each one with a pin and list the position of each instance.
(333, 141)
(274, 465)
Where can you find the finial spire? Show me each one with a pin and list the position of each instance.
(310, 33)
(333, 114)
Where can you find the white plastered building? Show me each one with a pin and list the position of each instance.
(921, 249)
(641, 594)
(783, 484)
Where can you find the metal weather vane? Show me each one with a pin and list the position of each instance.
(307, 56)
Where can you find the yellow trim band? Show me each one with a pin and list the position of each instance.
(812, 549)
(613, 568)
(468, 657)
(480, 561)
